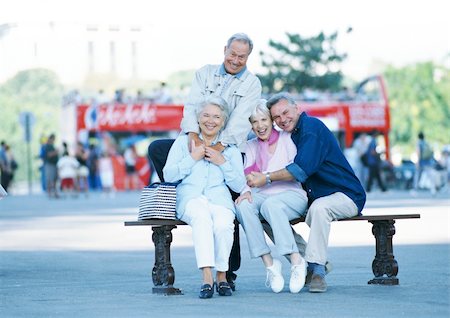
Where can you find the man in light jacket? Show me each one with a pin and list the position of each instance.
(241, 89)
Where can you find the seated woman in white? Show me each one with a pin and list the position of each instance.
(276, 202)
(203, 199)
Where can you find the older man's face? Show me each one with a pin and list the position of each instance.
(285, 115)
(236, 57)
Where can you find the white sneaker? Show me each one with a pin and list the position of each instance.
(298, 275)
(274, 277)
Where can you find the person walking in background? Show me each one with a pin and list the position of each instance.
(92, 164)
(43, 143)
(361, 144)
(374, 164)
(445, 164)
(131, 176)
(12, 163)
(50, 161)
(425, 176)
(8, 165)
(5, 174)
(232, 81)
(276, 202)
(203, 199)
(67, 173)
(334, 192)
(106, 171)
(83, 171)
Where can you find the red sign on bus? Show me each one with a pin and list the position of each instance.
(129, 117)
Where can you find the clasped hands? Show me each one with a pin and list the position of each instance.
(256, 179)
(208, 153)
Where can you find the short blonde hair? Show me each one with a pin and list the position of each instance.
(260, 109)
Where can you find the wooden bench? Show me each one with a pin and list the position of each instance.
(384, 265)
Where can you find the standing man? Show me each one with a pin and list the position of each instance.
(4, 166)
(334, 192)
(242, 90)
(50, 161)
(361, 144)
(374, 164)
(425, 158)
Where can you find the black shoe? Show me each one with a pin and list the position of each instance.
(206, 291)
(231, 277)
(224, 289)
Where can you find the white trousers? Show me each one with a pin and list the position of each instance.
(320, 215)
(212, 232)
(277, 209)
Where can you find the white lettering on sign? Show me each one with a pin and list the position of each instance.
(367, 116)
(126, 115)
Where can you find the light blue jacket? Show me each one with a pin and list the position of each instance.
(202, 177)
(242, 93)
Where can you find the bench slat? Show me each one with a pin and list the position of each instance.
(382, 217)
(386, 217)
(155, 222)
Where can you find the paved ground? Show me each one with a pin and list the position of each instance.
(74, 258)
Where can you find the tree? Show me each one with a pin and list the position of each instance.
(302, 63)
(38, 91)
(420, 101)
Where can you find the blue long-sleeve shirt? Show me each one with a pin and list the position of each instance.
(320, 164)
(202, 177)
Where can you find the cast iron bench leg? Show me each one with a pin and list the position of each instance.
(163, 274)
(384, 262)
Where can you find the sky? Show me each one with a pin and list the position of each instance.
(190, 33)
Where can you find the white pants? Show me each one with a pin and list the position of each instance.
(212, 232)
(320, 215)
(277, 209)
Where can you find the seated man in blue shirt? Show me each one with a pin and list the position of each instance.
(334, 192)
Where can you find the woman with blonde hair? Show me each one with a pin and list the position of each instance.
(276, 202)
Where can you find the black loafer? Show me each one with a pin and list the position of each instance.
(224, 289)
(206, 291)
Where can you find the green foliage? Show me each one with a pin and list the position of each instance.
(419, 97)
(302, 63)
(38, 91)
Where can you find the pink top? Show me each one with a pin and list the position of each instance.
(284, 154)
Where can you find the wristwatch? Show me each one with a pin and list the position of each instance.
(268, 181)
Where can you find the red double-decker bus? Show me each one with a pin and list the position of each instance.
(363, 110)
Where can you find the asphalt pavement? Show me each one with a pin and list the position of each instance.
(75, 258)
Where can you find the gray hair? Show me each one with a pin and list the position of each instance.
(260, 109)
(217, 101)
(275, 99)
(241, 37)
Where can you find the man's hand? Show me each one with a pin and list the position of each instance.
(194, 137)
(245, 196)
(218, 146)
(214, 156)
(197, 152)
(256, 179)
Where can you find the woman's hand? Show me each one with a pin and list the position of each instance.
(245, 196)
(197, 152)
(214, 156)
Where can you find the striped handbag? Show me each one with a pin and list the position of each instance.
(158, 201)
